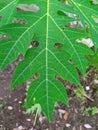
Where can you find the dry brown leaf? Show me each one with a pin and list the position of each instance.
(66, 114)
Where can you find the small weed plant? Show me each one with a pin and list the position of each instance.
(59, 50)
(90, 110)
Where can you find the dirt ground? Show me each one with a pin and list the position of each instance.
(13, 117)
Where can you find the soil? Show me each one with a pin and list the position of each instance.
(13, 117)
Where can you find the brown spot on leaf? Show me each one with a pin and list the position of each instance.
(34, 44)
(58, 45)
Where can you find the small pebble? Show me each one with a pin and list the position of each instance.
(87, 126)
(20, 102)
(17, 125)
(56, 125)
(96, 81)
(31, 129)
(23, 112)
(74, 128)
(21, 128)
(19, 110)
(28, 120)
(58, 121)
(76, 111)
(1, 98)
(87, 88)
(15, 129)
(68, 125)
(15, 99)
(61, 111)
(41, 118)
(9, 96)
(10, 108)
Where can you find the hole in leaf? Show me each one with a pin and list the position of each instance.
(21, 21)
(95, 19)
(3, 36)
(58, 45)
(74, 24)
(27, 7)
(94, 2)
(34, 44)
(36, 75)
(86, 41)
(70, 61)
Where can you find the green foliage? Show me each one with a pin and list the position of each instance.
(91, 110)
(31, 110)
(1, 105)
(57, 46)
(78, 93)
(36, 107)
(93, 60)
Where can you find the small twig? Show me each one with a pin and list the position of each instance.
(35, 119)
(85, 95)
(80, 127)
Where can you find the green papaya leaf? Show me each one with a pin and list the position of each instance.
(93, 60)
(58, 52)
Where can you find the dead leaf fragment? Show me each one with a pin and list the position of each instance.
(65, 116)
(10, 108)
(26, 7)
(87, 126)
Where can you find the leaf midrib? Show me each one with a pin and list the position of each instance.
(47, 35)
